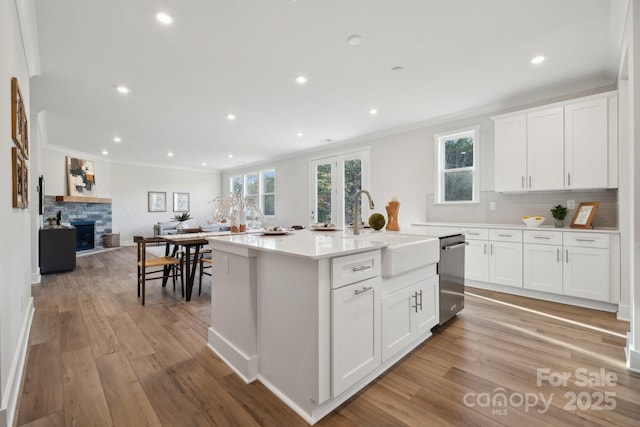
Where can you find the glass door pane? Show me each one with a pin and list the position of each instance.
(323, 207)
(352, 183)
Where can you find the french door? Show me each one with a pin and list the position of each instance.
(335, 180)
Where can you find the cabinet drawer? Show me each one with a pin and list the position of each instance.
(586, 240)
(354, 268)
(475, 233)
(505, 235)
(543, 237)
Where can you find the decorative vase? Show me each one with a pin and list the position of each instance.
(182, 225)
(242, 221)
(235, 218)
(559, 222)
(392, 213)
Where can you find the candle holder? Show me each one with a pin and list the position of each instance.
(392, 214)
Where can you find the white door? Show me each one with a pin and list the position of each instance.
(355, 343)
(543, 268)
(545, 149)
(476, 260)
(396, 321)
(335, 181)
(586, 273)
(511, 153)
(505, 263)
(586, 144)
(427, 314)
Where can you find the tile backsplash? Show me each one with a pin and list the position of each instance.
(510, 207)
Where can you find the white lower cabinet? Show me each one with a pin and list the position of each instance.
(407, 314)
(586, 273)
(505, 263)
(476, 260)
(355, 334)
(542, 267)
(493, 255)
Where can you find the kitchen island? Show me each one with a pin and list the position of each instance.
(317, 315)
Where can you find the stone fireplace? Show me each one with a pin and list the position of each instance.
(77, 211)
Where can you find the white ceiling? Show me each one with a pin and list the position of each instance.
(242, 57)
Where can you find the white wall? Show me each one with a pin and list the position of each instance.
(15, 281)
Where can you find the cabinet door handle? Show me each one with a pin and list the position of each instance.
(362, 267)
(415, 301)
(420, 303)
(558, 255)
(485, 248)
(566, 257)
(472, 234)
(586, 240)
(568, 179)
(362, 290)
(504, 235)
(542, 237)
(529, 181)
(523, 181)
(492, 249)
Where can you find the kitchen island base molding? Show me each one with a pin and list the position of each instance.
(245, 366)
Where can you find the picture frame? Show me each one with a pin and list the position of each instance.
(81, 177)
(18, 116)
(157, 201)
(16, 179)
(181, 202)
(25, 184)
(584, 215)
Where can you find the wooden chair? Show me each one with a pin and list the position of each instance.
(205, 262)
(155, 267)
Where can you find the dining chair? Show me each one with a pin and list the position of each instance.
(155, 267)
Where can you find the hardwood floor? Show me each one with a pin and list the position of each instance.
(98, 358)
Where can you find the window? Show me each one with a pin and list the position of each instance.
(335, 180)
(457, 169)
(259, 187)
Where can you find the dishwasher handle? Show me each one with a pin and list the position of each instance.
(456, 246)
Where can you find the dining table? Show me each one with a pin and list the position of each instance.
(192, 244)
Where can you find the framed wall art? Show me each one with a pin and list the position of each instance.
(16, 178)
(180, 202)
(81, 177)
(25, 184)
(584, 215)
(18, 116)
(157, 201)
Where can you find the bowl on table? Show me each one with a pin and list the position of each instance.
(532, 221)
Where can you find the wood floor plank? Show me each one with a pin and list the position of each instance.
(97, 357)
(85, 403)
(128, 403)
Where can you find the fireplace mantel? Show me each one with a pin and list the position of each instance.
(82, 199)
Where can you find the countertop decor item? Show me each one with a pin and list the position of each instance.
(392, 213)
(584, 215)
(559, 212)
(236, 207)
(182, 219)
(533, 221)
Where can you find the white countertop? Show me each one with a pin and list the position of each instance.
(415, 228)
(310, 244)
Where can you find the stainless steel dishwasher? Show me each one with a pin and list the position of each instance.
(451, 272)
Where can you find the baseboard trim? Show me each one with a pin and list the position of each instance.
(11, 394)
(245, 366)
(624, 312)
(633, 357)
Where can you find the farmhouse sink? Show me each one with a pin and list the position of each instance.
(403, 252)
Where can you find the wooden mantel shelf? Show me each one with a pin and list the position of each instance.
(81, 199)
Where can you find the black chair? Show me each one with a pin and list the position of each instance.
(155, 267)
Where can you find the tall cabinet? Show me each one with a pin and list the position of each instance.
(564, 146)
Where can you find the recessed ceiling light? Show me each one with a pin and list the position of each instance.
(354, 40)
(117, 139)
(301, 80)
(164, 18)
(538, 59)
(299, 134)
(397, 70)
(122, 89)
(373, 111)
(230, 156)
(231, 116)
(105, 152)
(204, 163)
(170, 154)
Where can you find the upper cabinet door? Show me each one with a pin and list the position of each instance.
(586, 144)
(545, 149)
(511, 153)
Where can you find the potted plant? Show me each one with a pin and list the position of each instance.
(182, 219)
(559, 212)
(52, 220)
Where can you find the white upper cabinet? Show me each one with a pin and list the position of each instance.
(565, 146)
(586, 148)
(511, 153)
(545, 141)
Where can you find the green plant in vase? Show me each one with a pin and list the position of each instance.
(559, 213)
(182, 219)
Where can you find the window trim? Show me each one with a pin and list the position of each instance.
(260, 173)
(439, 138)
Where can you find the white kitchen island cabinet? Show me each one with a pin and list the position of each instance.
(301, 313)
